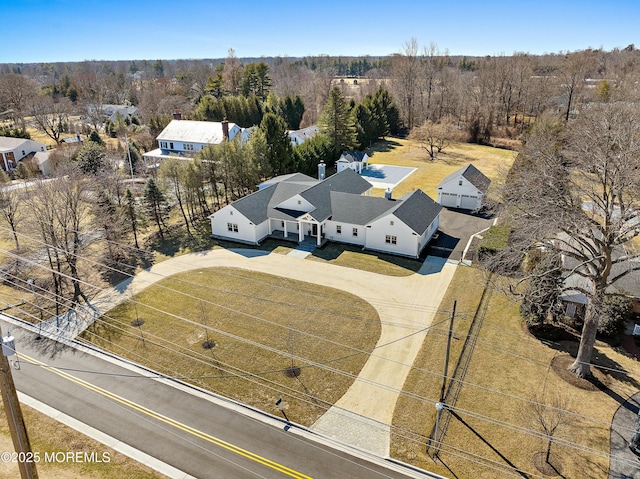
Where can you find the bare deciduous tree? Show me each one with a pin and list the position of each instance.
(576, 193)
(50, 116)
(550, 419)
(434, 137)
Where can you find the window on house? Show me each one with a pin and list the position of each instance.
(460, 183)
(233, 227)
(389, 239)
(171, 146)
(391, 223)
(231, 213)
(282, 224)
(23, 153)
(339, 229)
(355, 231)
(299, 202)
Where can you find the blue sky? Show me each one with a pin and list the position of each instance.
(66, 30)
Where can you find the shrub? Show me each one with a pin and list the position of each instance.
(616, 311)
(495, 239)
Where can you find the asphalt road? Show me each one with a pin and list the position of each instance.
(191, 433)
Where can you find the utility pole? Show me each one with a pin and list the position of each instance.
(126, 140)
(440, 404)
(17, 427)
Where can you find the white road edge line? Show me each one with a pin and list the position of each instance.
(109, 441)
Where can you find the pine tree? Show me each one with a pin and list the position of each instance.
(336, 121)
(279, 150)
(157, 207)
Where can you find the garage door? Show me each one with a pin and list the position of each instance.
(448, 199)
(469, 202)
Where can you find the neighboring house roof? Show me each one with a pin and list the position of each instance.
(471, 174)
(353, 156)
(125, 111)
(190, 131)
(9, 143)
(304, 134)
(574, 283)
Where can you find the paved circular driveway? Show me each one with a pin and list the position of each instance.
(406, 306)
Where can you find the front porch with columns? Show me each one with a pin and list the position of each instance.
(296, 231)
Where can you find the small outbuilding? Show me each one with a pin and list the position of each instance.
(355, 160)
(464, 189)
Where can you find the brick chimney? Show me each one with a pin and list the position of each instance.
(225, 129)
(177, 115)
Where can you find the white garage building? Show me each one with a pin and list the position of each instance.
(464, 189)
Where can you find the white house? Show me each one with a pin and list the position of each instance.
(111, 112)
(297, 207)
(186, 137)
(464, 189)
(300, 136)
(356, 160)
(12, 150)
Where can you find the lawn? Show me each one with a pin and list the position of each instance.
(354, 257)
(507, 367)
(493, 162)
(268, 336)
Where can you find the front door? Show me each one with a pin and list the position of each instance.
(314, 229)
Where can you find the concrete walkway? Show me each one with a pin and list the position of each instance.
(624, 463)
(406, 306)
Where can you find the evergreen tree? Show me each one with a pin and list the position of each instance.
(156, 205)
(92, 158)
(313, 151)
(293, 111)
(279, 150)
(365, 128)
(95, 137)
(336, 122)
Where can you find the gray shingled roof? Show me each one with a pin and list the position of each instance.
(472, 174)
(299, 177)
(417, 210)
(353, 156)
(339, 197)
(357, 209)
(347, 181)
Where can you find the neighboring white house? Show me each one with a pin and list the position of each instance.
(300, 136)
(356, 160)
(12, 150)
(297, 207)
(464, 189)
(184, 138)
(111, 112)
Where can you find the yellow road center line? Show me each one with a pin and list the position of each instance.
(172, 422)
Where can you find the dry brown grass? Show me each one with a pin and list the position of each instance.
(48, 435)
(289, 318)
(493, 162)
(508, 364)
